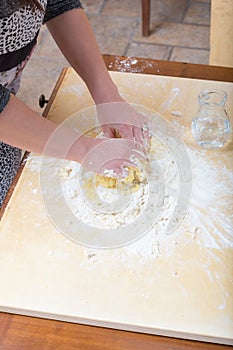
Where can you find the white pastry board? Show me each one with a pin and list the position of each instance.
(178, 285)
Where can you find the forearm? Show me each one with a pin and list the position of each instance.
(73, 34)
(23, 128)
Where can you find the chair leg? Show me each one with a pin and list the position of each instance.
(145, 17)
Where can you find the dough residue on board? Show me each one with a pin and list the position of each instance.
(131, 193)
(81, 194)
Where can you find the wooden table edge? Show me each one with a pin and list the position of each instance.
(168, 68)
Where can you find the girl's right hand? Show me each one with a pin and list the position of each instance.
(109, 154)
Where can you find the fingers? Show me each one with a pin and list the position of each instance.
(108, 131)
(140, 136)
(120, 120)
(111, 154)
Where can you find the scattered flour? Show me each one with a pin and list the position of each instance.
(210, 212)
(129, 65)
(208, 220)
(33, 162)
(92, 205)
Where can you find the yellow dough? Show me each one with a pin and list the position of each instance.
(132, 181)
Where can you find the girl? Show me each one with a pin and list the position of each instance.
(22, 128)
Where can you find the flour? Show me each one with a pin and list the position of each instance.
(205, 221)
(177, 113)
(129, 64)
(174, 99)
(208, 219)
(91, 207)
(209, 214)
(33, 162)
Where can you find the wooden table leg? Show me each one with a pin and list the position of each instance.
(145, 17)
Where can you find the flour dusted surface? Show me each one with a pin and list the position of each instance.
(204, 222)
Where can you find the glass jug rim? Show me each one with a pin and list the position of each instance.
(212, 98)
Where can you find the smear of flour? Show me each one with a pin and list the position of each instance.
(177, 113)
(209, 212)
(173, 100)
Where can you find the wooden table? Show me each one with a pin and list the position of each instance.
(22, 332)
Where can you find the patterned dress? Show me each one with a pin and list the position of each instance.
(19, 28)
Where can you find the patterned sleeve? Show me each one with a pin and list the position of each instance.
(57, 7)
(4, 97)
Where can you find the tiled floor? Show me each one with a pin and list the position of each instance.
(179, 29)
(179, 32)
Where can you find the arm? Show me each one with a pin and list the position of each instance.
(73, 35)
(21, 127)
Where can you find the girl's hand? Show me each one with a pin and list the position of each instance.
(110, 154)
(120, 120)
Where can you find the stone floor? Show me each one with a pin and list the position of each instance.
(179, 31)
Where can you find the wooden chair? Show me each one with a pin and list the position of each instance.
(145, 17)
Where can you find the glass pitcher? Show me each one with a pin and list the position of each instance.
(211, 125)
